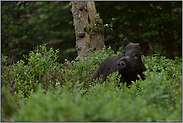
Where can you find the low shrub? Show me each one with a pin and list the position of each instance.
(8, 104)
(81, 72)
(45, 90)
(105, 102)
(41, 68)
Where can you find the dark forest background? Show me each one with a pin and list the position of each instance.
(25, 25)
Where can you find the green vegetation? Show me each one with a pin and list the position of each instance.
(160, 22)
(45, 90)
(27, 24)
(41, 84)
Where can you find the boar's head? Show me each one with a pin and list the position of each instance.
(129, 63)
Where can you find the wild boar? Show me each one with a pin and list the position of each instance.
(128, 63)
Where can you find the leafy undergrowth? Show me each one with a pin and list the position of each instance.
(44, 90)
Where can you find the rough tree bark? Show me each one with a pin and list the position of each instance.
(88, 38)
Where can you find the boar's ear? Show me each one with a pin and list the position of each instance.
(125, 42)
(144, 45)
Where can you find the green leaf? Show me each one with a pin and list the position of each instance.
(18, 3)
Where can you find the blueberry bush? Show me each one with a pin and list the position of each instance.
(43, 90)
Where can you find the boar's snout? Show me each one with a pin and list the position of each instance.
(121, 65)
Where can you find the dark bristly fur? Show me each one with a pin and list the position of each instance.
(128, 63)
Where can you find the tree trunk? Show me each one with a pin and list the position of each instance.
(88, 38)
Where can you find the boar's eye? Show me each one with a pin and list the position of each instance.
(124, 53)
